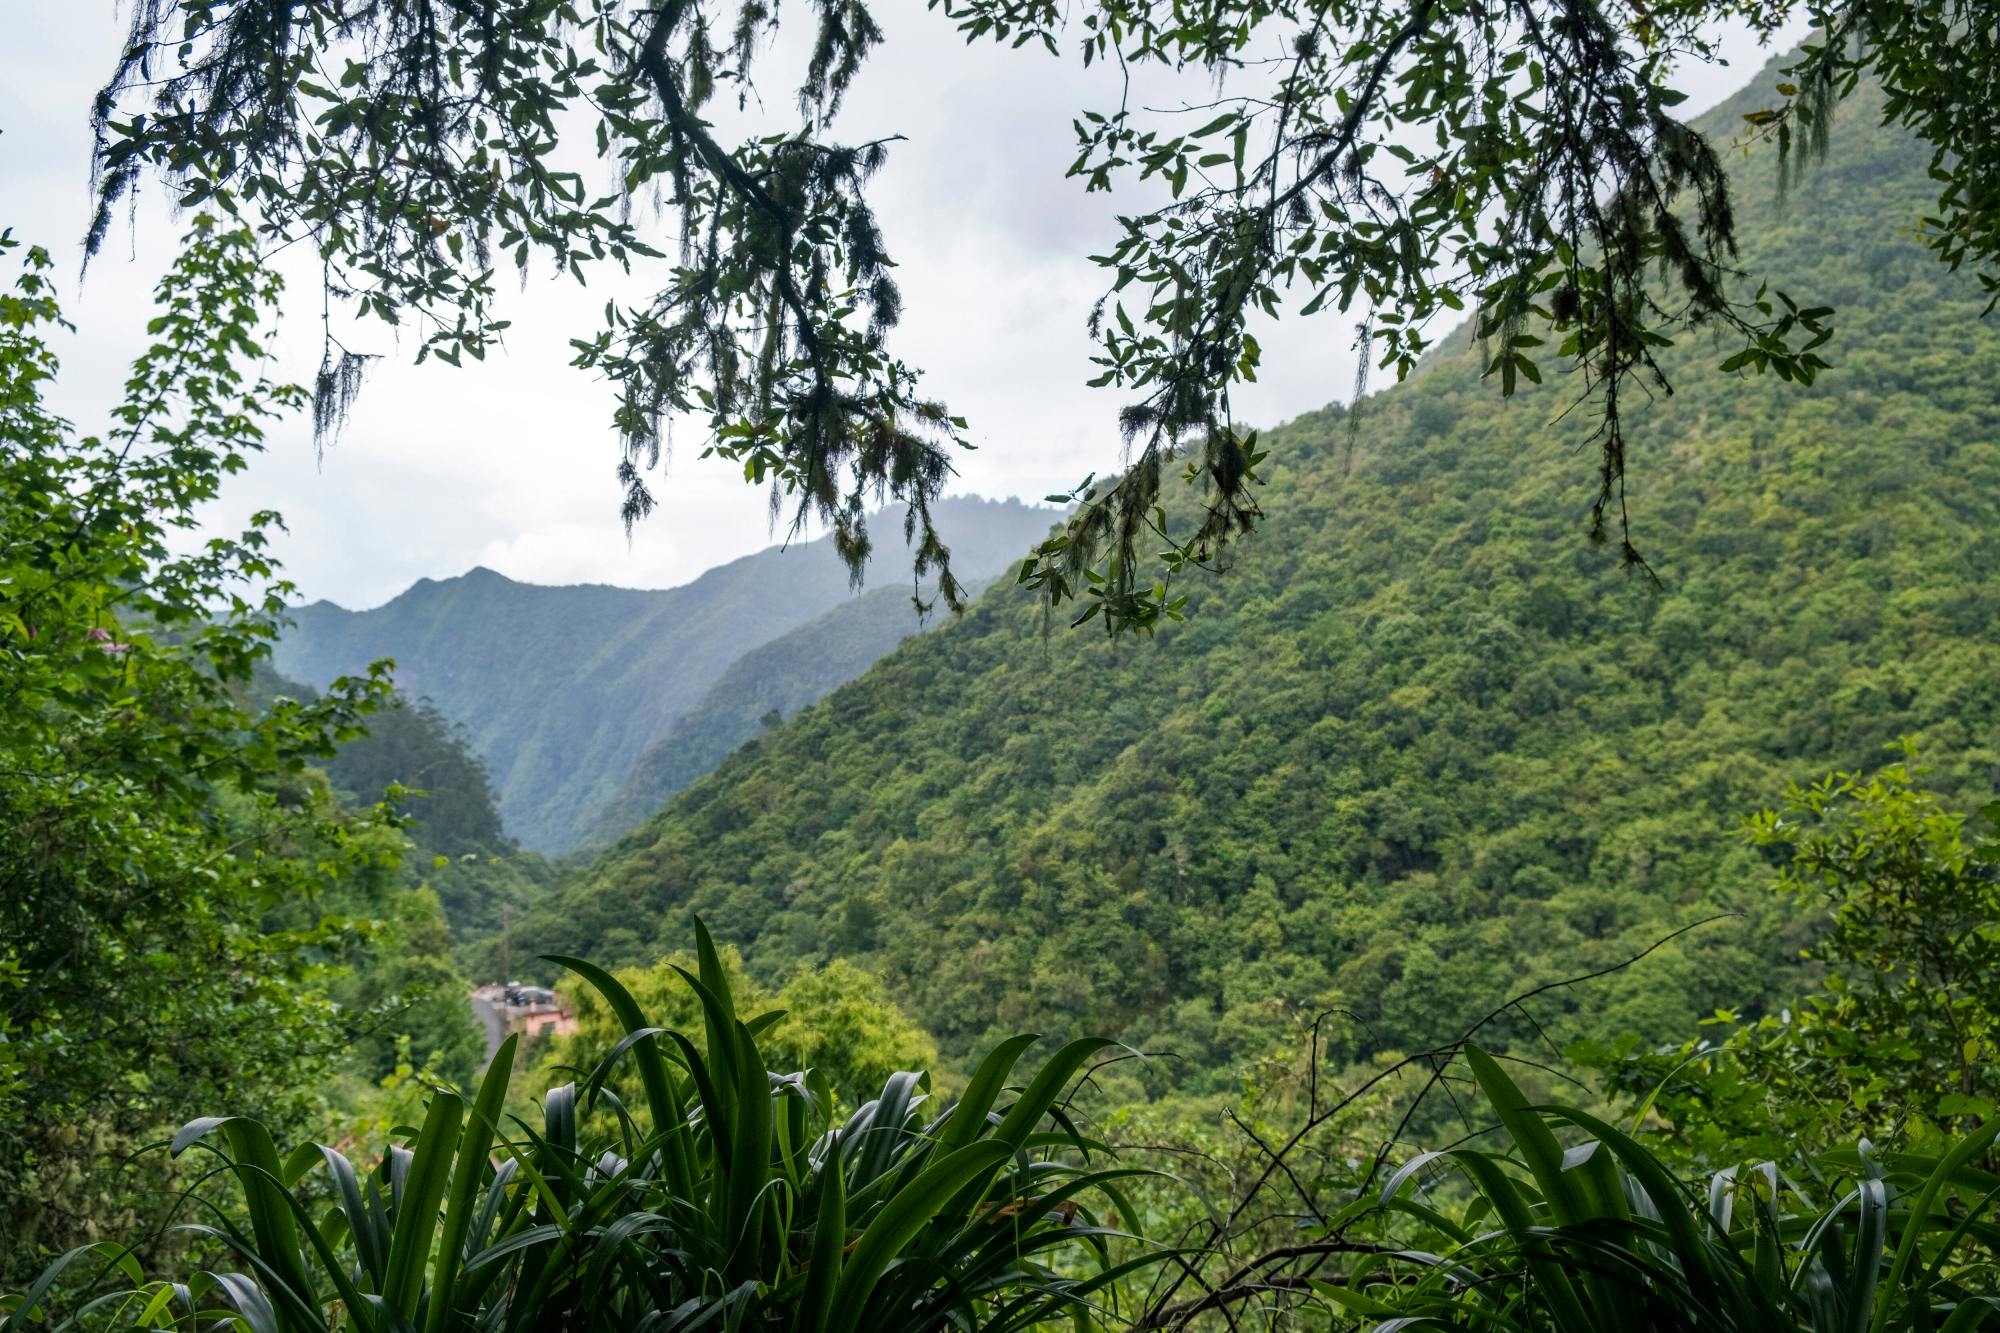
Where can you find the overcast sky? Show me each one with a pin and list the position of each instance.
(509, 464)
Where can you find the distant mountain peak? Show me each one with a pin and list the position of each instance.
(562, 689)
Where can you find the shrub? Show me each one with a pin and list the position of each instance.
(1599, 1234)
(726, 1199)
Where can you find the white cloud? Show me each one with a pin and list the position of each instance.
(510, 464)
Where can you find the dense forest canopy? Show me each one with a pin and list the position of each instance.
(1413, 748)
(762, 688)
(1519, 160)
(411, 745)
(163, 844)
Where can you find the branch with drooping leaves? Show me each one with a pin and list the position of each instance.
(1403, 163)
(412, 147)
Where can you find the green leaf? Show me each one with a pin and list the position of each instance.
(668, 1112)
(900, 1221)
(417, 1213)
(468, 1173)
(823, 1268)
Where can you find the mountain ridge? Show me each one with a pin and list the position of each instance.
(562, 687)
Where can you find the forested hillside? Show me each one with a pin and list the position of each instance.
(457, 847)
(411, 744)
(1420, 744)
(562, 689)
(764, 686)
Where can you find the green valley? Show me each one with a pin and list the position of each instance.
(562, 691)
(766, 685)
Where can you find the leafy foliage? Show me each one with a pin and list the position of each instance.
(1914, 912)
(154, 822)
(1598, 1233)
(1938, 61)
(1409, 161)
(412, 145)
(1895, 1045)
(1399, 162)
(729, 1195)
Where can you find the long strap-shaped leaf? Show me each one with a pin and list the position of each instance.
(715, 1117)
(1045, 1088)
(252, 1306)
(417, 1213)
(750, 1173)
(709, 963)
(1025, 1114)
(468, 1173)
(1579, 1188)
(719, 1022)
(668, 1111)
(1538, 1147)
(898, 1223)
(370, 1240)
(967, 1120)
(254, 1158)
(829, 1242)
(736, 1100)
(1913, 1223)
(877, 1129)
(28, 1310)
(1041, 1305)
(1543, 1158)
(1976, 1312)
(296, 1306)
(1688, 1239)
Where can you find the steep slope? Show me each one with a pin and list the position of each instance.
(1422, 745)
(456, 845)
(767, 683)
(411, 744)
(561, 690)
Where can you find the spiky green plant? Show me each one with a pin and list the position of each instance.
(1599, 1234)
(726, 1200)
